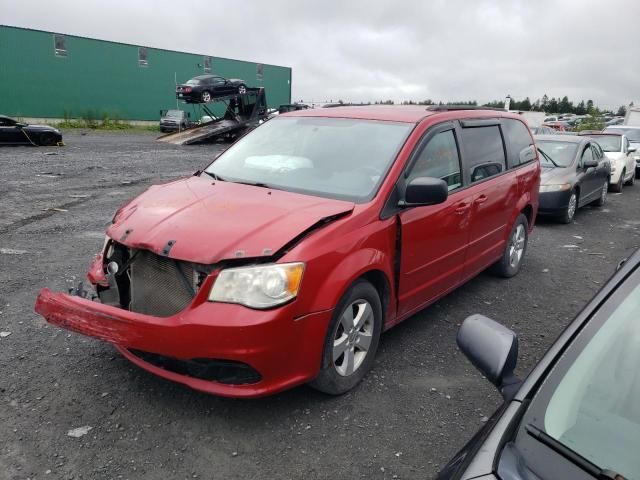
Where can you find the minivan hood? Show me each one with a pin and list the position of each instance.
(209, 221)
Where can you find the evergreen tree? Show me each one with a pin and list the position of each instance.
(622, 111)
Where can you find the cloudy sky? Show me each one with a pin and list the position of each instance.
(366, 50)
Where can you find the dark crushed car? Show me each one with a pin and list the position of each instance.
(173, 120)
(577, 414)
(17, 133)
(204, 88)
(575, 173)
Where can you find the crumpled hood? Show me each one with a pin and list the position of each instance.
(209, 221)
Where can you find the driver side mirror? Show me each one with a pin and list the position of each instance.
(589, 164)
(493, 349)
(425, 191)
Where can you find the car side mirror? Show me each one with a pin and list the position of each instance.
(589, 164)
(493, 349)
(425, 191)
(632, 149)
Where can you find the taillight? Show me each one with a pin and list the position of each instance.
(187, 89)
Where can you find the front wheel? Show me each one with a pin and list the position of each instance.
(514, 251)
(47, 139)
(570, 211)
(618, 186)
(352, 340)
(242, 89)
(603, 194)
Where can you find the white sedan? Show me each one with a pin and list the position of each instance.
(620, 153)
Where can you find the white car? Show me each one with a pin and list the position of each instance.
(633, 135)
(620, 153)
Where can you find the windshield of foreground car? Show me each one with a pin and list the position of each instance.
(562, 153)
(338, 158)
(633, 134)
(609, 143)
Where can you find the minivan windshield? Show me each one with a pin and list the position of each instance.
(562, 153)
(340, 158)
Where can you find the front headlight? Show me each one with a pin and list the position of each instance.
(555, 188)
(263, 286)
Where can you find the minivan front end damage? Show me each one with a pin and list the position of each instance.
(221, 348)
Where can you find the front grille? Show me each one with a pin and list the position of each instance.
(160, 286)
(223, 371)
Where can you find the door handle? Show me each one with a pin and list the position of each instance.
(481, 199)
(462, 208)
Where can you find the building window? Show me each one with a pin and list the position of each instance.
(259, 70)
(206, 61)
(142, 56)
(59, 45)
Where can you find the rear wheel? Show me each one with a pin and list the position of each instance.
(47, 139)
(206, 96)
(242, 89)
(352, 340)
(515, 249)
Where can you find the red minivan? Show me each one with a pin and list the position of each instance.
(283, 261)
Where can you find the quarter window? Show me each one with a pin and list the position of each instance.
(519, 141)
(483, 152)
(439, 159)
(59, 45)
(142, 56)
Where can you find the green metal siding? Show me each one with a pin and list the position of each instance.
(101, 78)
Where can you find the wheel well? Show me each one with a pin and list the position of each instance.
(380, 282)
(528, 212)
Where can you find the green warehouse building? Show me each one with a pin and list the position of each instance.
(48, 75)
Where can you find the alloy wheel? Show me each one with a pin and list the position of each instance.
(206, 96)
(516, 245)
(242, 89)
(573, 204)
(353, 337)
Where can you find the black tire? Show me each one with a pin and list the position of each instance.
(570, 213)
(505, 267)
(242, 88)
(47, 139)
(603, 194)
(618, 186)
(205, 96)
(631, 182)
(329, 380)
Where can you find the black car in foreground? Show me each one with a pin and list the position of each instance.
(13, 132)
(204, 88)
(577, 414)
(575, 173)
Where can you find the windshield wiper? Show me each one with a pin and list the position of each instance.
(573, 457)
(547, 157)
(215, 177)
(254, 184)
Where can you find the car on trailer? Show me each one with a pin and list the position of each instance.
(13, 132)
(282, 262)
(203, 88)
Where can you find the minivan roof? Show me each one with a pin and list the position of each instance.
(398, 113)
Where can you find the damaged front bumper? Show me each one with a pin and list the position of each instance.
(218, 348)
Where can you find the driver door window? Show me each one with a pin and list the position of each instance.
(439, 158)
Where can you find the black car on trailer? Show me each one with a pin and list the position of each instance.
(577, 414)
(203, 88)
(13, 132)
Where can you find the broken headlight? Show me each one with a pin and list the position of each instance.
(262, 286)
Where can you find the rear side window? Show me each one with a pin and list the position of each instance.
(483, 152)
(519, 142)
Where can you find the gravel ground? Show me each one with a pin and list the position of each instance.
(421, 402)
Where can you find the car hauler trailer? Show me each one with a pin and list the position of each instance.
(243, 112)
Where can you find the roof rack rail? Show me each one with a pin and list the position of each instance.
(446, 108)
